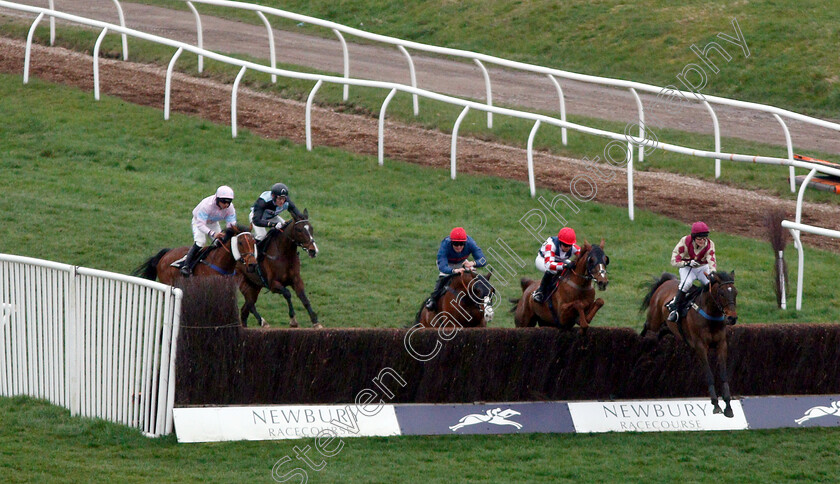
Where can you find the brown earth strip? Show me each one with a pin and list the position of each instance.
(727, 209)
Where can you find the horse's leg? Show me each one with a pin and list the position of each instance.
(293, 323)
(301, 293)
(593, 308)
(703, 353)
(721, 363)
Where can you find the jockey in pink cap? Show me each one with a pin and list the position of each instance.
(695, 257)
(205, 222)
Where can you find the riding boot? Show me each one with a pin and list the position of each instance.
(679, 307)
(545, 284)
(432, 301)
(186, 269)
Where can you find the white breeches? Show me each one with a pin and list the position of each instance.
(689, 274)
(200, 238)
(259, 233)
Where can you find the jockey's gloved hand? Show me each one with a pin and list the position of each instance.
(694, 263)
(686, 264)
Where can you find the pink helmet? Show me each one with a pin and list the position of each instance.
(224, 191)
(699, 228)
(458, 234)
(567, 236)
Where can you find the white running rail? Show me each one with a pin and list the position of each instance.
(98, 343)
(552, 74)
(621, 140)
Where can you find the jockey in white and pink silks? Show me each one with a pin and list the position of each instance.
(695, 257)
(205, 222)
(555, 256)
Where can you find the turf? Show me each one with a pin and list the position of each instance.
(107, 184)
(42, 443)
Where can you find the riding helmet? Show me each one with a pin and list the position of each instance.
(458, 234)
(279, 190)
(567, 236)
(699, 229)
(224, 191)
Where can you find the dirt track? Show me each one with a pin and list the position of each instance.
(459, 78)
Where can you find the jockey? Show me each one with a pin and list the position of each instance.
(452, 259)
(205, 222)
(695, 257)
(555, 256)
(265, 214)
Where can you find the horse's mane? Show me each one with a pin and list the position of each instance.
(275, 232)
(235, 230)
(723, 277)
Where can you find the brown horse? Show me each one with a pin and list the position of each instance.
(704, 325)
(218, 259)
(573, 299)
(279, 266)
(468, 301)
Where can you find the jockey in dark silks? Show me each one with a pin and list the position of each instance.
(555, 257)
(452, 259)
(265, 214)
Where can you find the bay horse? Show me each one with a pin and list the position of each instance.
(279, 267)
(704, 325)
(467, 301)
(221, 258)
(572, 300)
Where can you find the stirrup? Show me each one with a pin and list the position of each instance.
(537, 296)
(429, 304)
(185, 271)
(674, 316)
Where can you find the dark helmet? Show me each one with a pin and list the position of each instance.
(279, 190)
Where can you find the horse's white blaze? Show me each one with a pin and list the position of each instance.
(488, 310)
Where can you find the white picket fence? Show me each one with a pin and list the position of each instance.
(98, 343)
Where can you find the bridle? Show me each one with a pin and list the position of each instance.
(288, 235)
(234, 249)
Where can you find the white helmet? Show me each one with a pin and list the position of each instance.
(224, 191)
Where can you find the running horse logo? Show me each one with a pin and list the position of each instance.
(820, 411)
(496, 416)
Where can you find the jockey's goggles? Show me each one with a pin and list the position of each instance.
(224, 200)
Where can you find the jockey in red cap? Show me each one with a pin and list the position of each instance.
(452, 259)
(554, 257)
(695, 257)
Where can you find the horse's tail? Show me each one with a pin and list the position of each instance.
(525, 282)
(515, 303)
(653, 286)
(148, 269)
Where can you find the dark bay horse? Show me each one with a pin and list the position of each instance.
(217, 260)
(279, 266)
(573, 300)
(704, 325)
(467, 301)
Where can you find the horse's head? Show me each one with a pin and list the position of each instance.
(723, 292)
(301, 233)
(596, 263)
(243, 247)
(479, 290)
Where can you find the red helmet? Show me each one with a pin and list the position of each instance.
(458, 234)
(699, 228)
(567, 236)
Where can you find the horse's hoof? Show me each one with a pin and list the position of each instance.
(293, 323)
(717, 410)
(728, 412)
(317, 326)
(264, 323)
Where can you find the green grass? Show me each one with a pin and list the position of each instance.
(106, 184)
(42, 443)
(792, 45)
(436, 115)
